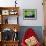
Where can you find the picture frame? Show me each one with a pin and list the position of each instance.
(29, 14)
(5, 12)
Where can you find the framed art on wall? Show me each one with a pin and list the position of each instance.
(29, 14)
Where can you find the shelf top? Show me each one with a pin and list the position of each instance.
(10, 26)
(1, 8)
(11, 41)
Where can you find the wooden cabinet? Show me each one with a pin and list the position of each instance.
(9, 26)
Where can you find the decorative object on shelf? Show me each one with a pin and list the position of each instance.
(15, 37)
(15, 30)
(30, 14)
(7, 34)
(15, 34)
(13, 12)
(5, 12)
(6, 21)
(15, 3)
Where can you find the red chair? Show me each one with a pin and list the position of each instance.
(29, 33)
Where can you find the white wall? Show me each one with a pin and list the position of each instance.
(27, 4)
(32, 4)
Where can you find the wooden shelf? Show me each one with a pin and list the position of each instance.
(9, 43)
(4, 13)
(11, 26)
(5, 8)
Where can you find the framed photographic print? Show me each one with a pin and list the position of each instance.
(5, 12)
(30, 14)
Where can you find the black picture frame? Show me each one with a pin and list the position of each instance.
(29, 14)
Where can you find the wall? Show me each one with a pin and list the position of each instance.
(27, 4)
(36, 4)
